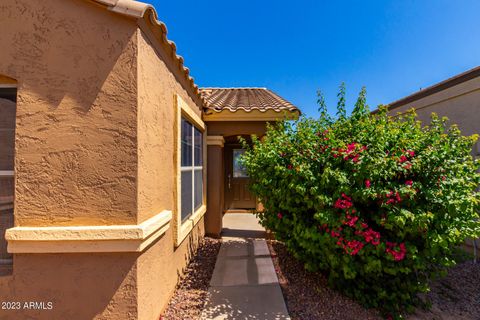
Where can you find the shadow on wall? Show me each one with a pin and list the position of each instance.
(67, 54)
(79, 286)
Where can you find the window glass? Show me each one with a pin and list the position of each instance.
(187, 143)
(198, 148)
(186, 181)
(7, 128)
(198, 182)
(191, 169)
(239, 171)
(7, 153)
(6, 222)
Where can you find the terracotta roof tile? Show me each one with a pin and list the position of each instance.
(247, 99)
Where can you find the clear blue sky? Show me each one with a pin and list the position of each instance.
(394, 48)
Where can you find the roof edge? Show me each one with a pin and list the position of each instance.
(141, 10)
(445, 84)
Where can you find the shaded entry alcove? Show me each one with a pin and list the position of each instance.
(237, 193)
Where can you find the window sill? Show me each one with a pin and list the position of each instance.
(187, 226)
(68, 239)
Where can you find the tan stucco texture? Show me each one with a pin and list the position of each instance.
(94, 146)
(459, 103)
(76, 66)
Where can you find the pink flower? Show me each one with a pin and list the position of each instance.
(372, 236)
(397, 254)
(367, 184)
(409, 182)
(343, 203)
(411, 153)
(334, 234)
(351, 147)
(279, 215)
(353, 247)
(403, 159)
(397, 197)
(351, 221)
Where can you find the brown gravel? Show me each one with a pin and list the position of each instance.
(308, 296)
(191, 292)
(457, 296)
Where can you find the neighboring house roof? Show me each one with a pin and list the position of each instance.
(450, 82)
(147, 12)
(246, 99)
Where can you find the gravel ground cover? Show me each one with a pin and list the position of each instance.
(191, 292)
(308, 296)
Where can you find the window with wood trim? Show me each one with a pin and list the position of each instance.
(8, 101)
(191, 168)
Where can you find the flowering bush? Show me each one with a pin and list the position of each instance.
(378, 203)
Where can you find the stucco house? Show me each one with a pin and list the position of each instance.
(113, 163)
(457, 98)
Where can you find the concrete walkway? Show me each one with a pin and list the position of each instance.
(244, 284)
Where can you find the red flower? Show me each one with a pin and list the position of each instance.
(407, 166)
(351, 221)
(411, 153)
(343, 203)
(279, 215)
(290, 167)
(335, 234)
(367, 184)
(351, 147)
(409, 182)
(353, 247)
(397, 254)
(372, 236)
(403, 159)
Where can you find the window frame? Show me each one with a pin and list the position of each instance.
(193, 168)
(183, 228)
(8, 174)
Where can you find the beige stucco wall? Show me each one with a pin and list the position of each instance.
(461, 104)
(75, 159)
(76, 69)
(94, 146)
(157, 87)
(160, 265)
(80, 286)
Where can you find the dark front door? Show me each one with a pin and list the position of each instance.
(237, 195)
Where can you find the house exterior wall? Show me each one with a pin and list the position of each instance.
(160, 265)
(94, 147)
(459, 103)
(75, 158)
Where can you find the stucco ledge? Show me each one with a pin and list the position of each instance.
(72, 239)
